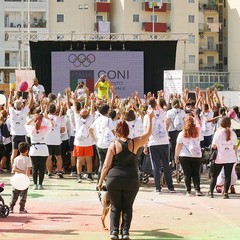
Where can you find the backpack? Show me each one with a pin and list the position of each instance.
(4, 130)
(82, 133)
(178, 122)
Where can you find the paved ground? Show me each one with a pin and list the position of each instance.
(69, 210)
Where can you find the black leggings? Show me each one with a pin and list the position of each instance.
(122, 192)
(38, 168)
(191, 171)
(227, 172)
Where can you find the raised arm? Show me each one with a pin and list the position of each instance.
(140, 141)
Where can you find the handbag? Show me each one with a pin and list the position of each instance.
(212, 158)
(213, 154)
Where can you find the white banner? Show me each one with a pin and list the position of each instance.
(173, 82)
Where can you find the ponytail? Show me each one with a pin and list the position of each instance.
(228, 134)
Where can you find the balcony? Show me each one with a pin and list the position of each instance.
(208, 7)
(33, 24)
(209, 27)
(158, 27)
(38, 5)
(209, 67)
(102, 6)
(210, 47)
(156, 9)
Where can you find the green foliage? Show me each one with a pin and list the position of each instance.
(218, 86)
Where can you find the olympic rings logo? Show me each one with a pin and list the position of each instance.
(81, 59)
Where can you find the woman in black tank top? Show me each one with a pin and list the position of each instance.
(121, 169)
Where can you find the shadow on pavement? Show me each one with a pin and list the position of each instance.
(155, 234)
(43, 232)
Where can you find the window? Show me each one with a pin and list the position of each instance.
(191, 58)
(210, 61)
(155, 18)
(210, 20)
(60, 0)
(191, 38)
(135, 18)
(60, 18)
(99, 18)
(191, 1)
(7, 59)
(191, 18)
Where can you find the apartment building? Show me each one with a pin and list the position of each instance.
(205, 55)
(19, 18)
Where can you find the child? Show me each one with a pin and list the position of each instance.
(21, 164)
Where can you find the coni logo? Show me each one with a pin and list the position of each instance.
(81, 59)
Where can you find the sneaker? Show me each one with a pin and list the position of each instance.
(225, 196)
(1, 171)
(50, 175)
(79, 180)
(210, 194)
(40, 187)
(23, 211)
(35, 187)
(157, 191)
(59, 175)
(188, 194)
(232, 189)
(199, 193)
(172, 190)
(73, 174)
(89, 178)
(11, 210)
(125, 235)
(114, 235)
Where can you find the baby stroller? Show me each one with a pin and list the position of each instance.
(145, 168)
(4, 209)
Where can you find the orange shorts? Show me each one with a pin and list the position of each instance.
(83, 151)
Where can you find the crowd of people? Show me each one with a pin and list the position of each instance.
(83, 134)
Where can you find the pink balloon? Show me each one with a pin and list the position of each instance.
(23, 86)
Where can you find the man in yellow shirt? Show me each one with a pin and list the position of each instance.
(103, 84)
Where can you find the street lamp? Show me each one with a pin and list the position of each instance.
(83, 7)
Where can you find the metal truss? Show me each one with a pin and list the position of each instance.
(73, 36)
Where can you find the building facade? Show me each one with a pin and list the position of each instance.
(208, 54)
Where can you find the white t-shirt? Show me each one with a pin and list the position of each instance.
(64, 135)
(82, 126)
(207, 127)
(38, 91)
(135, 128)
(172, 114)
(226, 153)
(186, 143)
(81, 93)
(54, 137)
(100, 126)
(159, 134)
(18, 120)
(22, 163)
(70, 114)
(38, 136)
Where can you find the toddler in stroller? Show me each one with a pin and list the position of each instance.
(4, 209)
